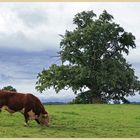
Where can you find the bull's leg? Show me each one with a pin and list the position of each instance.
(26, 116)
(37, 121)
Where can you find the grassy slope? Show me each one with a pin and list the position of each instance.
(77, 121)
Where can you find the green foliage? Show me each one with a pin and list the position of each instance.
(92, 57)
(76, 121)
(9, 88)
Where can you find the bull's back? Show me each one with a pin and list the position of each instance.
(12, 101)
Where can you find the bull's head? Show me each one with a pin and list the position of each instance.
(44, 119)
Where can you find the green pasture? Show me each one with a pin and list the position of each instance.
(77, 121)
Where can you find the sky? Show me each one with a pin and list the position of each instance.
(29, 40)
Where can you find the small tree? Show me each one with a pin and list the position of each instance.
(10, 88)
(92, 58)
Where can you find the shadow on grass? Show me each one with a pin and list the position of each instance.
(70, 113)
(69, 129)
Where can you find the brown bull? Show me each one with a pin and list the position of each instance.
(28, 104)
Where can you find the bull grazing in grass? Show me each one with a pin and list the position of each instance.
(28, 104)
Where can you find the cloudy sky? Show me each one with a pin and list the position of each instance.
(29, 39)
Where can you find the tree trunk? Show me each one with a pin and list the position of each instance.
(96, 100)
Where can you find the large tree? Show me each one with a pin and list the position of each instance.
(92, 58)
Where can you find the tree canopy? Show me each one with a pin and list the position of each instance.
(10, 88)
(92, 58)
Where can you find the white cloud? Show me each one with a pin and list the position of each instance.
(11, 71)
(135, 98)
(35, 26)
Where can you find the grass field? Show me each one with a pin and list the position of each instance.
(77, 121)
